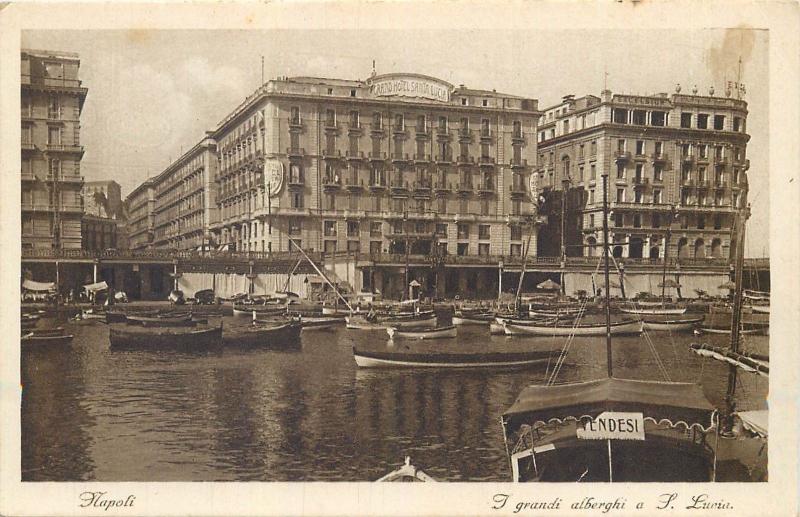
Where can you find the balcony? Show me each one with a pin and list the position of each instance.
(67, 178)
(465, 160)
(658, 157)
(486, 134)
(640, 182)
(702, 159)
(622, 156)
(354, 128)
(295, 152)
(422, 158)
(464, 135)
(486, 189)
(353, 184)
(487, 161)
(354, 155)
(442, 187)
(377, 185)
(64, 148)
(331, 127)
(518, 189)
(687, 183)
(442, 132)
(28, 146)
(423, 133)
(331, 183)
(332, 154)
(295, 123)
(445, 159)
(747, 164)
(399, 130)
(465, 188)
(399, 187)
(722, 161)
(688, 158)
(377, 157)
(519, 164)
(295, 181)
(377, 129)
(422, 187)
(400, 157)
(703, 184)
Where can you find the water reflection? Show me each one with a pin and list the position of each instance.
(302, 414)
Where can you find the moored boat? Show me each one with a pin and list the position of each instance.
(472, 318)
(263, 334)
(671, 323)
(404, 359)
(55, 336)
(565, 329)
(675, 311)
(134, 336)
(424, 321)
(422, 333)
(260, 310)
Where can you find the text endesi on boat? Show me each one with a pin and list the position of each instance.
(613, 425)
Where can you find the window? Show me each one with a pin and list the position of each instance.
(330, 91)
(516, 250)
(684, 222)
(591, 196)
(737, 124)
(352, 228)
(485, 127)
(719, 122)
(594, 147)
(442, 124)
(658, 172)
(702, 121)
(620, 116)
(375, 247)
(441, 230)
(483, 249)
(620, 170)
(637, 196)
(701, 222)
(420, 123)
(352, 93)
(592, 171)
(735, 175)
(580, 173)
(297, 200)
(463, 206)
(55, 168)
(639, 117)
(703, 148)
(465, 124)
(516, 207)
(329, 228)
(620, 195)
(701, 199)
(442, 205)
(717, 222)
(399, 122)
(463, 101)
(686, 120)
(485, 102)
(516, 129)
(619, 219)
(295, 115)
(566, 126)
(463, 231)
(639, 174)
(637, 220)
(684, 197)
(621, 145)
(483, 231)
(484, 207)
(656, 220)
(591, 221)
(295, 226)
(657, 196)
(54, 108)
(53, 136)
(353, 246)
(375, 229)
(640, 147)
(377, 122)
(580, 151)
(516, 232)
(686, 149)
(658, 118)
(462, 248)
(735, 200)
(701, 174)
(330, 118)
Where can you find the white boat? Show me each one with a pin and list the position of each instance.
(406, 473)
(674, 325)
(496, 328)
(334, 311)
(655, 310)
(478, 318)
(590, 329)
(422, 333)
(763, 309)
(401, 359)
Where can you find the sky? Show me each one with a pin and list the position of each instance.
(154, 93)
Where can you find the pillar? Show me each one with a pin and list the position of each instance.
(441, 283)
(626, 246)
(146, 288)
(94, 271)
(462, 281)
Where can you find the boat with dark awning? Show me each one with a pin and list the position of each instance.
(550, 425)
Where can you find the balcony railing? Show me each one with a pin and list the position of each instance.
(487, 161)
(295, 122)
(422, 158)
(332, 154)
(379, 156)
(295, 152)
(658, 157)
(353, 154)
(519, 163)
(622, 156)
(399, 157)
(444, 159)
(465, 160)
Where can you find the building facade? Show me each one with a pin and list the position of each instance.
(52, 99)
(102, 199)
(676, 167)
(99, 233)
(389, 171)
(140, 208)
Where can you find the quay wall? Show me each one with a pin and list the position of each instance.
(648, 282)
(229, 284)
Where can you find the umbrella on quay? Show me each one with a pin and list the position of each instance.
(727, 285)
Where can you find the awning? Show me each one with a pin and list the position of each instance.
(676, 403)
(549, 285)
(99, 286)
(755, 421)
(315, 279)
(30, 285)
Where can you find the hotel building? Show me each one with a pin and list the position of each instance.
(52, 100)
(140, 208)
(394, 171)
(676, 169)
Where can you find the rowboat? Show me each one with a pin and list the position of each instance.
(92, 315)
(406, 473)
(581, 329)
(654, 310)
(260, 310)
(334, 311)
(280, 334)
(672, 324)
(360, 323)
(116, 317)
(133, 336)
(320, 323)
(403, 359)
(748, 328)
(54, 336)
(472, 318)
(165, 321)
(424, 321)
(496, 329)
(422, 333)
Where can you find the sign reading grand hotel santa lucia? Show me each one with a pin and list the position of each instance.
(410, 85)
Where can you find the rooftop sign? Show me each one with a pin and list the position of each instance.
(410, 85)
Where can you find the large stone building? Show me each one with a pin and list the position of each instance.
(140, 205)
(676, 169)
(52, 99)
(391, 171)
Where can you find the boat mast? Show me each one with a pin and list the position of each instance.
(564, 191)
(321, 273)
(524, 263)
(666, 250)
(736, 316)
(609, 366)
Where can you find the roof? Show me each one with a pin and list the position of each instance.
(755, 421)
(676, 403)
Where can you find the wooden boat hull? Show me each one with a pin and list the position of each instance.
(263, 336)
(46, 339)
(131, 336)
(675, 325)
(428, 322)
(747, 330)
(473, 320)
(763, 309)
(434, 333)
(617, 329)
(655, 311)
(260, 310)
(116, 317)
(366, 359)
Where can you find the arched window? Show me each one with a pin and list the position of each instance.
(716, 248)
(591, 249)
(683, 248)
(565, 173)
(699, 248)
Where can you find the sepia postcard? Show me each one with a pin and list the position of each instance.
(399, 258)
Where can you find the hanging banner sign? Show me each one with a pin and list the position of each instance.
(273, 176)
(613, 425)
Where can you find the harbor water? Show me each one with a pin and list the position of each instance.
(309, 414)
